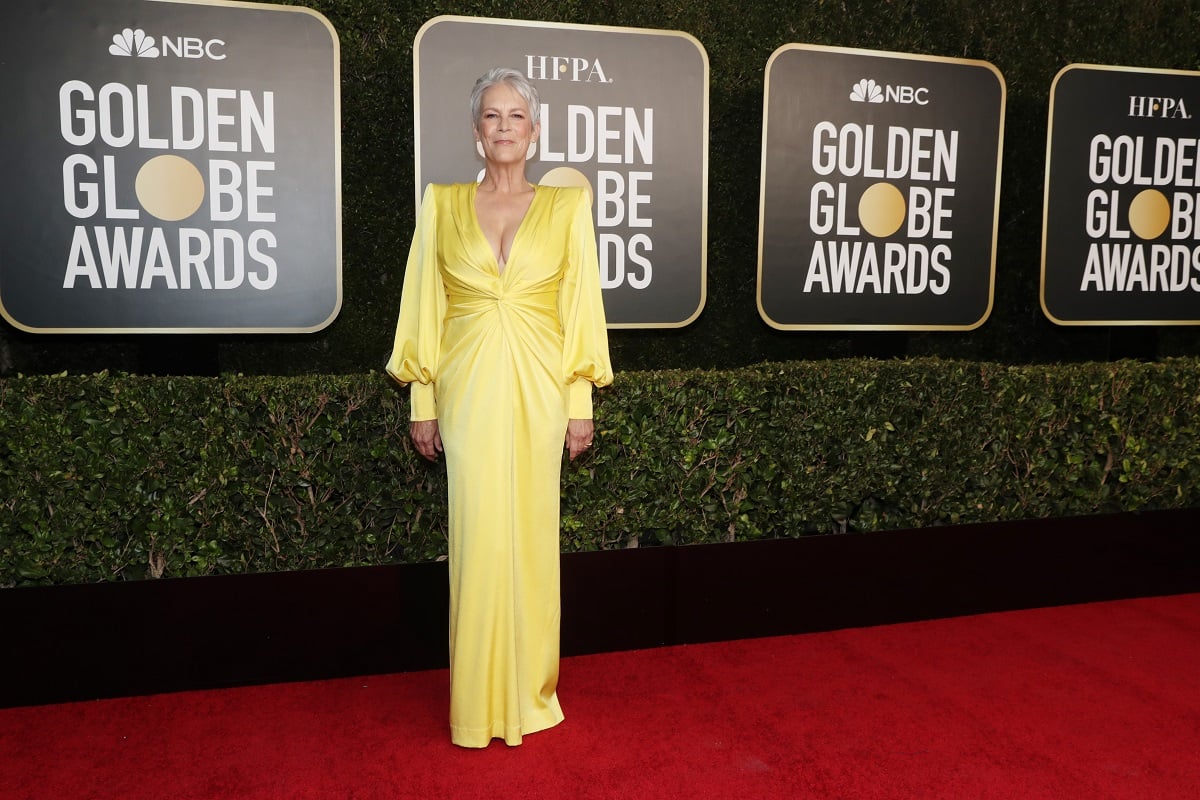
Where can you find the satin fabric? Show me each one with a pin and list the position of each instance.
(502, 359)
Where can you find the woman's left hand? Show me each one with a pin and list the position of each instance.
(579, 436)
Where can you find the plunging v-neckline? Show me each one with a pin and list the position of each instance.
(501, 268)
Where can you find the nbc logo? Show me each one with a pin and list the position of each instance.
(866, 91)
(133, 43)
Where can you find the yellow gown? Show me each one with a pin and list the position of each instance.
(502, 359)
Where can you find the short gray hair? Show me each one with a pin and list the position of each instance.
(513, 78)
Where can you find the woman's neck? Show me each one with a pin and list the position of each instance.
(505, 178)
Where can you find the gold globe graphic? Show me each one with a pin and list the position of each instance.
(169, 187)
(881, 210)
(1149, 214)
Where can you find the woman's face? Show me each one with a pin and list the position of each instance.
(503, 127)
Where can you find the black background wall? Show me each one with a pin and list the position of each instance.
(102, 640)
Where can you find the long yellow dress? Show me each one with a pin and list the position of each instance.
(502, 359)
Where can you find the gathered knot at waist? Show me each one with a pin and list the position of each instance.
(458, 305)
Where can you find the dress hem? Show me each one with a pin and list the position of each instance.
(511, 734)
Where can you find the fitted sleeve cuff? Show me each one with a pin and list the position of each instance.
(580, 406)
(421, 402)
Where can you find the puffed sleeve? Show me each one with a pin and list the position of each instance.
(581, 308)
(414, 358)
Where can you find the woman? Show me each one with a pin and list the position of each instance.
(502, 336)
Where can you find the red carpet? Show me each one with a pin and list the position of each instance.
(1092, 702)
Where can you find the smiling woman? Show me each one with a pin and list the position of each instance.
(501, 336)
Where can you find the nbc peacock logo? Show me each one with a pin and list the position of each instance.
(133, 42)
(867, 91)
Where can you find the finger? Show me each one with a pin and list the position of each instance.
(424, 448)
(578, 446)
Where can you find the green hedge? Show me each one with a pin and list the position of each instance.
(115, 477)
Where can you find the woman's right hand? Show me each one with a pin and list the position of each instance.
(426, 438)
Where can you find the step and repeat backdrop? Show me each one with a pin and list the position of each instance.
(174, 166)
(624, 113)
(171, 166)
(880, 190)
(1121, 238)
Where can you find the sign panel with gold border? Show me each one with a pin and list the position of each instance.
(624, 112)
(1121, 224)
(171, 166)
(879, 190)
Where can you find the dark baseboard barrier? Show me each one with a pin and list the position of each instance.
(108, 640)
